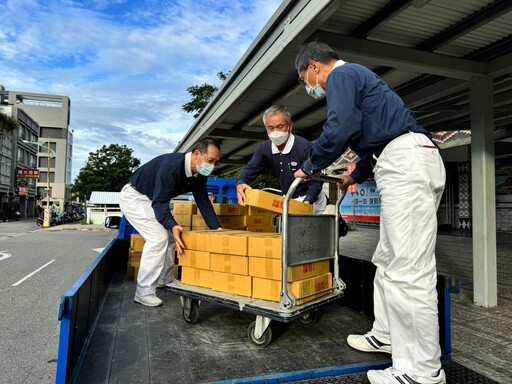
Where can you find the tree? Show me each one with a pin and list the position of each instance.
(107, 169)
(201, 95)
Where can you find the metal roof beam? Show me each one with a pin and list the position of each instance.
(406, 59)
(500, 66)
(387, 12)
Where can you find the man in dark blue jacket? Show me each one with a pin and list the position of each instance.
(145, 203)
(282, 154)
(365, 114)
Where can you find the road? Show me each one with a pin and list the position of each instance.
(36, 267)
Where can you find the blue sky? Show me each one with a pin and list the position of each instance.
(125, 64)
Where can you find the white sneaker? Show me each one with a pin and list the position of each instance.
(369, 343)
(149, 300)
(393, 376)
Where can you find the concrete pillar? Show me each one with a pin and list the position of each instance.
(483, 193)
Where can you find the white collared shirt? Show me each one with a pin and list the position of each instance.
(188, 169)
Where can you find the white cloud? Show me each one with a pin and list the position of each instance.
(125, 64)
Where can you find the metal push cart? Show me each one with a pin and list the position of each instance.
(305, 239)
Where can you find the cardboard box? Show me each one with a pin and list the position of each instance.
(271, 289)
(184, 209)
(134, 255)
(236, 284)
(258, 211)
(258, 220)
(229, 242)
(271, 269)
(198, 221)
(137, 242)
(194, 259)
(231, 222)
(269, 229)
(183, 220)
(197, 240)
(274, 203)
(265, 245)
(197, 277)
(228, 209)
(237, 265)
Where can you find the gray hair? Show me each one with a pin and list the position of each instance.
(203, 144)
(316, 51)
(276, 109)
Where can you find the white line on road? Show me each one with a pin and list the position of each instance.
(32, 274)
(99, 250)
(4, 255)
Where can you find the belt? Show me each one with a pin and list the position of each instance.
(133, 186)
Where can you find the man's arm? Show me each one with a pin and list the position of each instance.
(250, 172)
(204, 204)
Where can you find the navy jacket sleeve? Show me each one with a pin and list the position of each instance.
(204, 204)
(314, 186)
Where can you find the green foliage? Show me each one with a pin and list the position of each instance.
(201, 95)
(107, 169)
(7, 123)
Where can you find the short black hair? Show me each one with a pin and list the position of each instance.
(317, 51)
(203, 144)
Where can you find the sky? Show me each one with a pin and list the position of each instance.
(126, 65)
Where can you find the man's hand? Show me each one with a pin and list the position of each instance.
(176, 233)
(240, 193)
(345, 182)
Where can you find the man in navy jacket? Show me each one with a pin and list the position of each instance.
(282, 154)
(145, 203)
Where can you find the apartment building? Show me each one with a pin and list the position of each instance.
(44, 143)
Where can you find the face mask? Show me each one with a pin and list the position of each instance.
(315, 92)
(278, 137)
(205, 168)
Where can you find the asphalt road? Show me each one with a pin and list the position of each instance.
(37, 266)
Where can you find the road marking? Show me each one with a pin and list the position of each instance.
(4, 255)
(32, 274)
(99, 250)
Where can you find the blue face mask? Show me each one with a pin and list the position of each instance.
(315, 92)
(205, 168)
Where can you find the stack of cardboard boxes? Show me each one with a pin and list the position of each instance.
(243, 258)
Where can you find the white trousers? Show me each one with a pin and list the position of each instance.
(319, 205)
(157, 261)
(410, 179)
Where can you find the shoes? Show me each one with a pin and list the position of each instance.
(369, 343)
(149, 300)
(393, 376)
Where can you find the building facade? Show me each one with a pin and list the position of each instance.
(44, 142)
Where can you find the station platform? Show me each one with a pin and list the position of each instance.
(135, 344)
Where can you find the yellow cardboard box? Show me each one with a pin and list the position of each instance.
(255, 211)
(134, 255)
(271, 269)
(197, 277)
(274, 203)
(196, 240)
(184, 209)
(230, 242)
(183, 220)
(237, 265)
(136, 242)
(269, 229)
(198, 221)
(265, 245)
(258, 220)
(236, 284)
(194, 259)
(228, 209)
(271, 289)
(231, 222)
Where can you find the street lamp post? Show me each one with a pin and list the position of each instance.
(46, 220)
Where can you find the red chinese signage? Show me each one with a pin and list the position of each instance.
(27, 173)
(353, 187)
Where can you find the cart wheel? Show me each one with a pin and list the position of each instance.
(193, 315)
(308, 320)
(264, 340)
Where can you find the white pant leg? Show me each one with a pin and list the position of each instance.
(320, 204)
(410, 179)
(137, 209)
(167, 274)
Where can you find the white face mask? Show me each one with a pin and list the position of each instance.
(278, 137)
